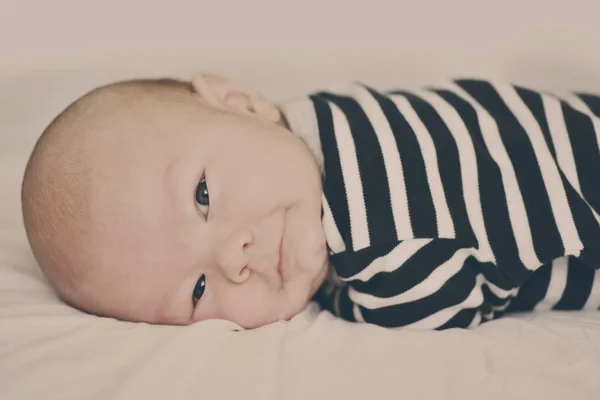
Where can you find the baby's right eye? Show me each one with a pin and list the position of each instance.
(199, 289)
(202, 196)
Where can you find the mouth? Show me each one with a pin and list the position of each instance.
(281, 264)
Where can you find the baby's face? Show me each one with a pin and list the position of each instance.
(218, 219)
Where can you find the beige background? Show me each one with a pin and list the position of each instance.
(545, 42)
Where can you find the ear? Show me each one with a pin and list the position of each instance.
(226, 95)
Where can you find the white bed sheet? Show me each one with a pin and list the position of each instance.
(50, 351)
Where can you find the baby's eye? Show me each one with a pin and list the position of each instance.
(199, 289)
(202, 196)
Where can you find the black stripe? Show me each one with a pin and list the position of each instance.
(346, 305)
(487, 312)
(495, 275)
(546, 238)
(492, 195)
(351, 263)
(587, 227)
(533, 100)
(333, 184)
(449, 166)
(453, 292)
(586, 154)
(591, 256)
(462, 319)
(414, 271)
(585, 223)
(592, 101)
(580, 279)
(532, 291)
(372, 170)
(324, 299)
(490, 298)
(420, 201)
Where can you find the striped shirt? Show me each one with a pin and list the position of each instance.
(450, 206)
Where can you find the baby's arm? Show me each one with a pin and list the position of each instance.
(419, 283)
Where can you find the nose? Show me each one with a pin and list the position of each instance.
(233, 258)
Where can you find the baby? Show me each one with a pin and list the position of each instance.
(171, 202)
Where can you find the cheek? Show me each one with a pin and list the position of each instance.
(250, 305)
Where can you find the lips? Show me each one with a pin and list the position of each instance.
(280, 264)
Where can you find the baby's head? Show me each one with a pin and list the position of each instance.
(116, 205)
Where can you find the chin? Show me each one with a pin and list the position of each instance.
(296, 309)
(286, 315)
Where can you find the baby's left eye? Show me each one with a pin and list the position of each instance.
(202, 197)
(199, 289)
(202, 193)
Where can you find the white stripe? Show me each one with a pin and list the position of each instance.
(476, 321)
(516, 291)
(562, 143)
(391, 160)
(357, 314)
(489, 316)
(427, 287)
(496, 291)
(499, 292)
(501, 307)
(435, 320)
(334, 238)
(442, 211)
(468, 168)
(516, 206)
(391, 261)
(560, 139)
(548, 169)
(578, 104)
(593, 301)
(359, 228)
(557, 285)
(336, 301)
